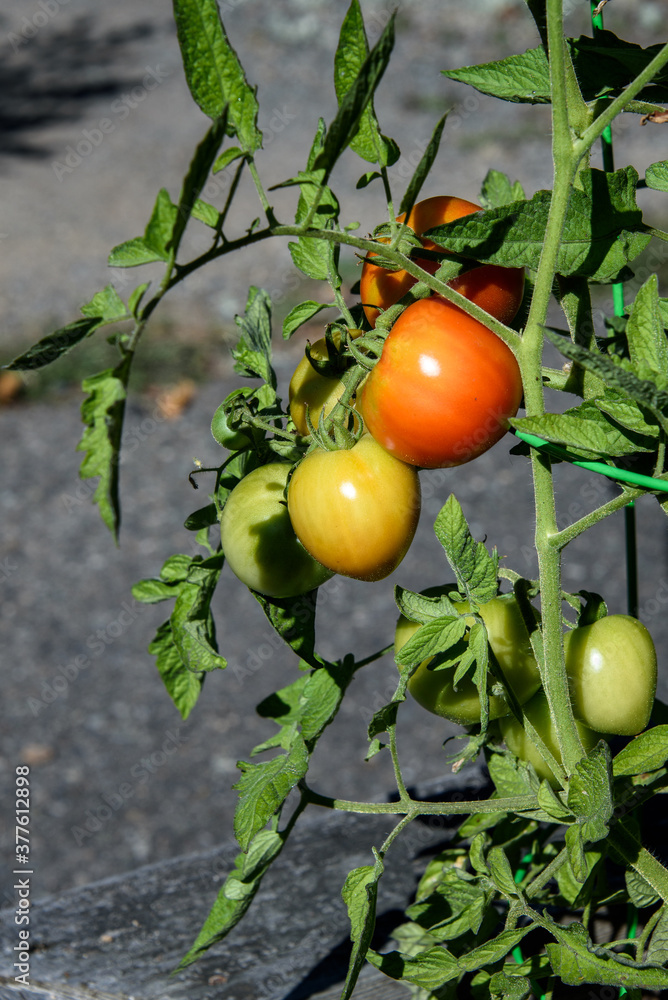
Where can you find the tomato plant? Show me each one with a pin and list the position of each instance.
(355, 510)
(497, 290)
(258, 540)
(437, 390)
(537, 711)
(612, 673)
(507, 635)
(444, 388)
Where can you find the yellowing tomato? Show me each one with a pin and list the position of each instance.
(310, 390)
(355, 510)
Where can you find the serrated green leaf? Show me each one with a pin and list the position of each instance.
(590, 793)
(322, 697)
(494, 950)
(252, 353)
(301, 314)
(353, 49)
(183, 686)
(500, 871)
(202, 518)
(645, 334)
(576, 852)
(153, 591)
(523, 78)
(656, 176)
(102, 415)
(497, 190)
(360, 892)
(132, 253)
(430, 969)
(434, 637)
(506, 775)
(345, 126)
(457, 906)
(646, 752)
(658, 945)
(603, 230)
(475, 568)
(191, 620)
(264, 787)
(293, 618)
(107, 305)
(206, 213)
(237, 892)
(627, 413)
(54, 345)
(640, 891)
(423, 168)
(617, 374)
(575, 963)
(585, 430)
(316, 258)
(176, 568)
(549, 802)
(578, 892)
(606, 64)
(509, 987)
(136, 297)
(226, 157)
(161, 226)
(195, 179)
(213, 71)
(425, 607)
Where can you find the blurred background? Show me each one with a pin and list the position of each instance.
(117, 778)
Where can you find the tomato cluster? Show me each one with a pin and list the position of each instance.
(439, 391)
(611, 667)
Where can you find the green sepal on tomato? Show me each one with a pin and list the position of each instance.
(443, 389)
(310, 390)
(508, 637)
(498, 290)
(355, 509)
(258, 539)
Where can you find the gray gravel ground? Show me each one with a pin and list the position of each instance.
(105, 740)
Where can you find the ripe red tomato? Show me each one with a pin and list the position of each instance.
(498, 290)
(355, 510)
(443, 388)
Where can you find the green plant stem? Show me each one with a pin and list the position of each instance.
(548, 873)
(642, 940)
(639, 858)
(411, 807)
(598, 126)
(561, 538)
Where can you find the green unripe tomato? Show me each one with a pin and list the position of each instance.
(223, 433)
(258, 540)
(538, 713)
(612, 670)
(509, 639)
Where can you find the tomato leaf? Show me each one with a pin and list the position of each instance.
(475, 568)
(603, 230)
(353, 49)
(645, 752)
(425, 607)
(436, 636)
(102, 414)
(590, 793)
(576, 960)
(423, 168)
(252, 354)
(523, 78)
(213, 71)
(500, 871)
(195, 178)
(154, 244)
(237, 892)
(656, 176)
(294, 620)
(509, 987)
(645, 332)
(587, 431)
(264, 787)
(497, 190)
(430, 969)
(315, 257)
(658, 945)
(301, 314)
(191, 620)
(358, 94)
(54, 345)
(106, 305)
(360, 892)
(183, 685)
